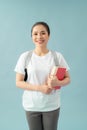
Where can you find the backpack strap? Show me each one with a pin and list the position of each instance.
(55, 58)
(28, 58)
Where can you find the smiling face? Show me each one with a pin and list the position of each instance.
(40, 35)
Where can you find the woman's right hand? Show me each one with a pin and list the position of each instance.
(45, 89)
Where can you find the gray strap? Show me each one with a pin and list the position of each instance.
(28, 58)
(55, 58)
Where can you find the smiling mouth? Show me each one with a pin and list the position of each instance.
(40, 41)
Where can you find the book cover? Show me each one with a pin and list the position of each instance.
(59, 72)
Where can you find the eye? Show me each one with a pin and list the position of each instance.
(43, 33)
(35, 34)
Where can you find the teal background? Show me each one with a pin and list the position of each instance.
(68, 23)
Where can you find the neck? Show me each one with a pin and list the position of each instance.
(41, 51)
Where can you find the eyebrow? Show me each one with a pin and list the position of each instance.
(40, 32)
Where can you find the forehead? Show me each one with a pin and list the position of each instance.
(39, 28)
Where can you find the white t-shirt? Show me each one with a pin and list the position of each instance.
(38, 70)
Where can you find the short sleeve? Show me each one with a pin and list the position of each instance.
(20, 66)
(62, 61)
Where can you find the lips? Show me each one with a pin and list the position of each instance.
(40, 41)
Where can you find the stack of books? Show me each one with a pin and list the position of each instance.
(59, 72)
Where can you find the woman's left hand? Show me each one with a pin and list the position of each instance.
(52, 81)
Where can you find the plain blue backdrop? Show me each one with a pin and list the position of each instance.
(68, 23)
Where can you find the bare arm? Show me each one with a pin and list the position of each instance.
(66, 79)
(53, 81)
(27, 86)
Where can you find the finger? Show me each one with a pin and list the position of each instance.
(49, 91)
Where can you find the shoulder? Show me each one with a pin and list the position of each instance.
(58, 54)
(25, 54)
(62, 60)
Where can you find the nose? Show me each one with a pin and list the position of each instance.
(39, 35)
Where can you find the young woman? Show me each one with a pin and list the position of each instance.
(41, 100)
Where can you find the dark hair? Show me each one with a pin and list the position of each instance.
(41, 23)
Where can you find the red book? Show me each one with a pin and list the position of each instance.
(59, 72)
